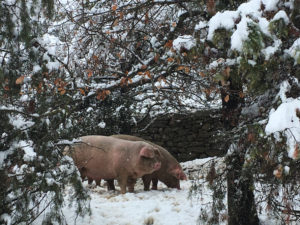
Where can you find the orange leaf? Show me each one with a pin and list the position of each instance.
(202, 74)
(96, 58)
(242, 95)
(115, 23)
(251, 137)
(180, 68)
(119, 55)
(82, 91)
(174, 24)
(99, 96)
(62, 92)
(102, 94)
(170, 59)
(6, 88)
(226, 99)
(169, 44)
(278, 172)
(143, 67)
(140, 73)
(20, 80)
(227, 71)
(123, 81)
(121, 14)
(186, 69)
(57, 81)
(156, 58)
(211, 7)
(130, 80)
(207, 91)
(90, 73)
(147, 73)
(146, 18)
(114, 7)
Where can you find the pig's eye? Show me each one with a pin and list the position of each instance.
(145, 158)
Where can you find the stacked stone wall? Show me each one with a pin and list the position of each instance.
(186, 136)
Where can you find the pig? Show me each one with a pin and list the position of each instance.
(170, 172)
(101, 157)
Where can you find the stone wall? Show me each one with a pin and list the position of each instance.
(186, 136)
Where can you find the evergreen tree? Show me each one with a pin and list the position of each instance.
(33, 171)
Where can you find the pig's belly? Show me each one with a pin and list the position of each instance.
(97, 172)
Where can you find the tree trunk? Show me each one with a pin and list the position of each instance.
(240, 197)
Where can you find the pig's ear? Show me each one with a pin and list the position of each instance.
(157, 152)
(146, 152)
(178, 173)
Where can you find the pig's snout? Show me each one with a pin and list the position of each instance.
(157, 165)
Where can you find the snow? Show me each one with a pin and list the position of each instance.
(285, 119)
(238, 21)
(221, 20)
(164, 206)
(26, 146)
(50, 42)
(201, 25)
(102, 124)
(281, 15)
(294, 50)
(186, 41)
(270, 50)
(6, 218)
(19, 122)
(270, 5)
(251, 8)
(36, 68)
(53, 65)
(264, 26)
(240, 34)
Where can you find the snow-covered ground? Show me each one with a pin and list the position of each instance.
(164, 206)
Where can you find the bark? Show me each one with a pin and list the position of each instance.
(240, 197)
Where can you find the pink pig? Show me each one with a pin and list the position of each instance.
(170, 172)
(101, 157)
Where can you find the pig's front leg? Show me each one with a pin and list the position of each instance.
(122, 180)
(154, 183)
(130, 184)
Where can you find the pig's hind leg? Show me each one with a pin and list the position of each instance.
(146, 181)
(110, 185)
